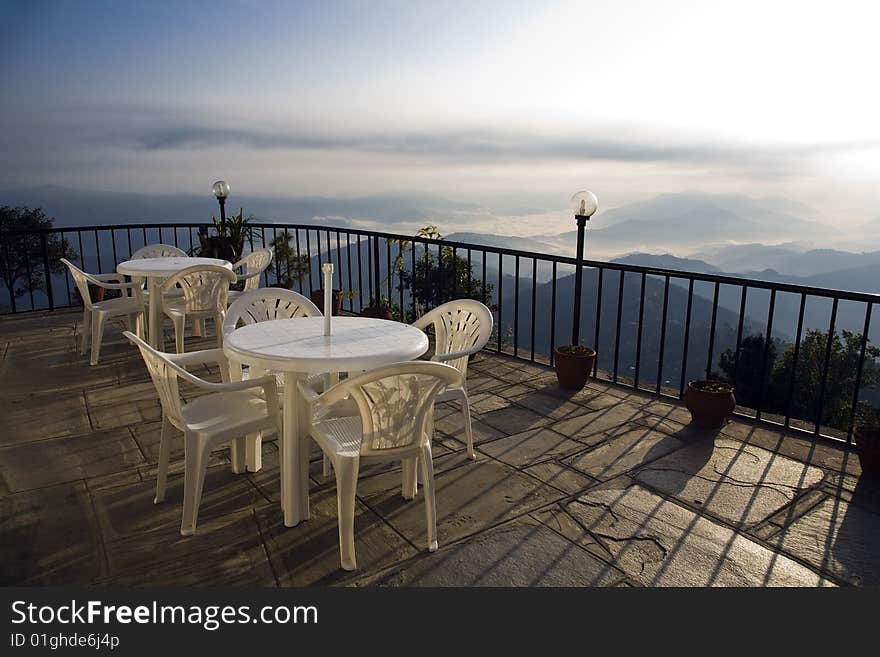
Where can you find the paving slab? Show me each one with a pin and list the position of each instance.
(659, 543)
(130, 511)
(120, 406)
(308, 554)
(228, 551)
(50, 538)
(513, 419)
(624, 452)
(530, 447)
(593, 427)
(44, 415)
(740, 483)
(470, 498)
(562, 477)
(48, 462)
(837, 537)
(520, 553)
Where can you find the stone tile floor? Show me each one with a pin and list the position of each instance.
(605, 487)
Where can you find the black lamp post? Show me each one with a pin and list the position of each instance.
(584, 205)
(221, 191)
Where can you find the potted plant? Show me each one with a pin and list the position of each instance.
(96, 293)
(228, 241)
(318, 299)
(573, 364)
(379, 309)
(709, 402)
(866, 433)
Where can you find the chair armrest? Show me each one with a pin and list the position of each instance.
(309, 394)
(109, 278)
(442, 358)
(202, 357)
(253, 274)
(131, 285)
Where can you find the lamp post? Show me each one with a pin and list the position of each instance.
(584, 204)
(221, 191)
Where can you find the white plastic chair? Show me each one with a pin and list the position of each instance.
(227, 414)
(252, 266)
(461, 328)
(204, 295)
(395, 421)
(96, 313)
(158, 251)
(262, 305)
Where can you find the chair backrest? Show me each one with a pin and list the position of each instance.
(267, 303)
(164, 375)
(255, 262)
(395, 403)
(158, 251)
(205, 287)
(461, 327)
(81, 279)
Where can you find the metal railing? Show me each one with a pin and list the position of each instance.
(799, 356)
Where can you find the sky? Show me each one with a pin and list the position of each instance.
(512, 105)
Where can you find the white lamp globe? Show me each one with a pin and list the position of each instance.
(221, 189)
(584, 204)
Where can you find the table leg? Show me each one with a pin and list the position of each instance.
(294, 468)
(155, 312)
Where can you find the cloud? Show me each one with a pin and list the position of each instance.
(495, 147)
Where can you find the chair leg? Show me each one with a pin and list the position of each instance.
(97, 336)
(326, 468)
(237, 451)
(218, 329)
(409, 485)
(86, 330)
(179, 326)
(346, 487)
(196, 462)
(468, 429)
(254, 452)
(430, 502)
(140, 326)
(164, 451)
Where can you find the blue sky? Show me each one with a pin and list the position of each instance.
(476, 101)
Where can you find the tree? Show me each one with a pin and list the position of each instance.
(435, 279)
(843, 361)
(292, 266)
(23, 257)
(746, 370)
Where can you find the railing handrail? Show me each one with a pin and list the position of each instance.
(708, 277)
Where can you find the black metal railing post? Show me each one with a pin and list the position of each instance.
(376, 272)
(47, 271)
(578, 279)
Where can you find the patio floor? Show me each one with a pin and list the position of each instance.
(605, 487)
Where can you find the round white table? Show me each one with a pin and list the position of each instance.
(156, 271)
(297, 348)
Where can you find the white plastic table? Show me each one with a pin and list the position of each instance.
(297, 347)
(156, 270)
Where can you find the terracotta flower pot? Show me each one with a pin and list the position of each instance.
(708, 408)
(96, 293)
(318, 300)
(573, 368)
(378, 312)
(868, 449)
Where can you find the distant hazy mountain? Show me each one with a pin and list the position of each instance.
(786, 259)
(71, 207)
(769, 211)
(666, 261)
(503, 242)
